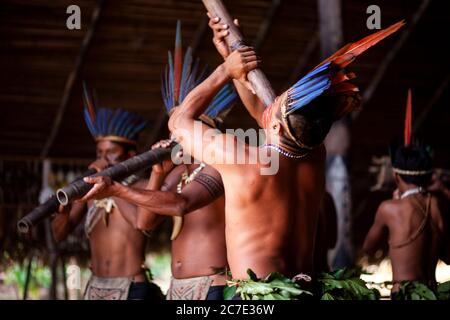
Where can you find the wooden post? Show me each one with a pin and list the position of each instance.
(337, 142)
(235, 40)
(330, 23)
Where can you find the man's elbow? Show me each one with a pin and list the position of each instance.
(180, 208)
(144, 222)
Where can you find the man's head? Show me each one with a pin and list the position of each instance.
(114, 152)
(115, 132)
(302, 130)
(411, 165)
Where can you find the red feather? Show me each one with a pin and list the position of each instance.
(349, 52)
(408, 120)
(88, 102)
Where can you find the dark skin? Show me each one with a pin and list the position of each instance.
(200, 247)
(400, 219)
(326, 234)
(264, 229)
(116, 250)
(309, 174)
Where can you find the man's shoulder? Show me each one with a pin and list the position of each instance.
(390, 206)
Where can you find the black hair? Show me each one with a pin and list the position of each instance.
(311, 124)
(416, 157)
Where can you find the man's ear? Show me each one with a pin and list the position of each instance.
(275, 127)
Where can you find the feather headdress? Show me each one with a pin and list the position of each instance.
(182, 75)
(408, 158)
(330, 79)
(108, 124)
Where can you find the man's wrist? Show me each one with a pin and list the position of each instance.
(222, 69)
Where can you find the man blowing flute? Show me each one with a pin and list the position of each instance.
(265, 230)
(117, 246)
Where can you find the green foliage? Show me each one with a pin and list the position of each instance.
(273, 287)
(160, 264)
(415, 290)
(443, 291)
(40, 278)
(346, 284)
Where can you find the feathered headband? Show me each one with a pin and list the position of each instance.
(113, 125)
(407, 143)
(182, 75)
(329, 78)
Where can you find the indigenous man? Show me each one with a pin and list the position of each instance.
(413, 220)
(265, 231)
(191, 193)
(117, 247)
(326, 227)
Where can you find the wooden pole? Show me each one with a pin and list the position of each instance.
(235, 40)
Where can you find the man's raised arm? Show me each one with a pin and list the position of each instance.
(197, 139)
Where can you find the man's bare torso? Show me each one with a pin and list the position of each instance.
(117, 250)
(200, 248)
(271, 220)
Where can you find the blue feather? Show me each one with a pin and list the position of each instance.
(223, 100)
(311, 86)
(187, 64)
(89, 123)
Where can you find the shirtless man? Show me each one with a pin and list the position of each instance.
(117, 247)
(326, 233)
(413, 221)
(191, 193)
(265, 229)
(194, 192)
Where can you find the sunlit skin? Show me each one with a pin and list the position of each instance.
(199, 249)
(116, 250)
(398, 219)
(269, 224)
(310, 185)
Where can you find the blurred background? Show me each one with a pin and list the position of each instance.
(121, 50)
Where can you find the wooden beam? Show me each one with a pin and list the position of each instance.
(303, 60)
(330, 26)
(266, 24)
(381, 68)
(434, 98)
(71, 79)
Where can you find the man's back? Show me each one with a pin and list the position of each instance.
(271, 221)
(416, 229)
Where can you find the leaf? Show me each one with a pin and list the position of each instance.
(276, 276)
(327, 296)
(252, 275)
(252, 287)
(229, 292)
(443, 291)
(415, 296)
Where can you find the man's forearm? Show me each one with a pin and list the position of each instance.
(251, 102)
(160, 202)
(199, 98)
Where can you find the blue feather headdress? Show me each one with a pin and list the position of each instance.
(325, 89)
(114, 125)
(182, 75)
